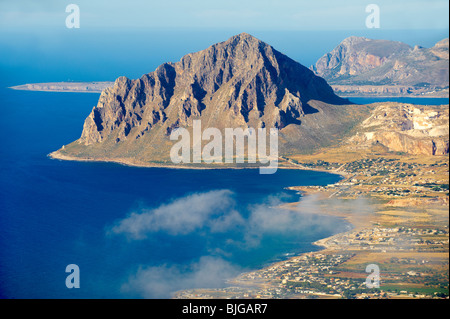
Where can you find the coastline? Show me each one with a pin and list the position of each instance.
(344, 175)
(125, 162)
(321, 243)
(69, 87)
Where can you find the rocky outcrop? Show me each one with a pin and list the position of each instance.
(406, 128)
(419, 202)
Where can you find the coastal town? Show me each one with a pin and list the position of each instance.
(406, 236)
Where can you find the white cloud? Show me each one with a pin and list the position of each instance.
(306, 218)
(215, 211)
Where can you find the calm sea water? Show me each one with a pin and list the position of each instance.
(412, 100)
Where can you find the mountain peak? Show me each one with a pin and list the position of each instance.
(244, 36)
(374, 62)
(241, 82)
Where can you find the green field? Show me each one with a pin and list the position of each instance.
(415, 290)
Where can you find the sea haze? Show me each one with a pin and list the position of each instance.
(126, 226)
(134, 232)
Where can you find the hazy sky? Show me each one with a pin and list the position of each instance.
(154, 32)
(251, 14)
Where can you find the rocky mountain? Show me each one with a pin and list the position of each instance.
(242, 82)
(394, 67)
(92, 87)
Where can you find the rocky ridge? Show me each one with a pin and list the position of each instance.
(242, 82)
(406, 128)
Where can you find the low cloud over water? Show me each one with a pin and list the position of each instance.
(214, 209)
(161, 281)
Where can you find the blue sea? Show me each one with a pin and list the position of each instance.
(133, 232)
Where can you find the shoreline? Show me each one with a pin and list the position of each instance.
(321, 243)
(394, 96)
(376, 237)
(56, 155)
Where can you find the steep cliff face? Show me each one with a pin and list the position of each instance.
(406, 128)
(362, 61)
(242, 82)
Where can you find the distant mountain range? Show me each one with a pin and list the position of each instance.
(82, 87)
(364, 66)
